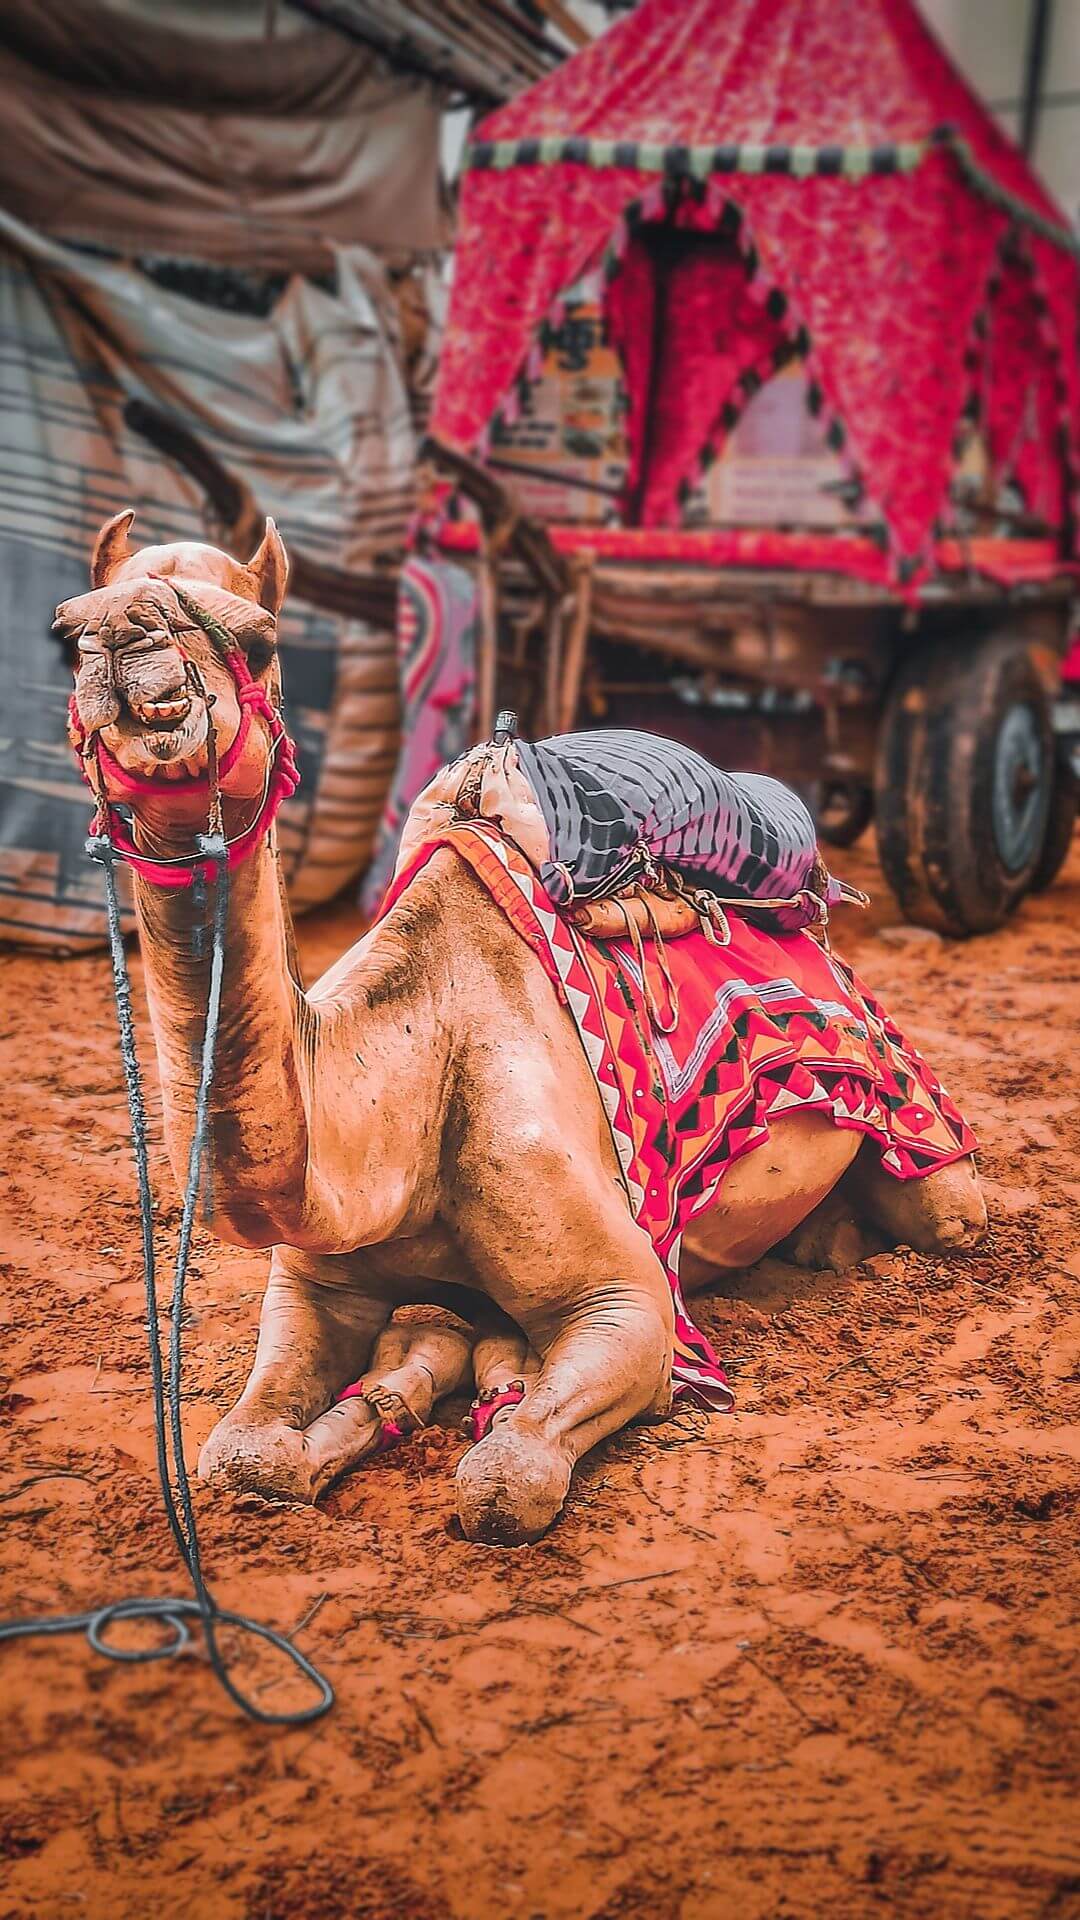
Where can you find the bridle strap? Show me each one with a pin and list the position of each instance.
(282, 779)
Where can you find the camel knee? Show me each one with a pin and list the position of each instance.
(267, 1460)
(511, 1487)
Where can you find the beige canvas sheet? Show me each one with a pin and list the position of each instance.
(146, 144)
(122, 133)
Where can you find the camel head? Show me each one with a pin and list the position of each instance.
(151, 644)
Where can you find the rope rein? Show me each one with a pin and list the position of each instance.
(175, 1612)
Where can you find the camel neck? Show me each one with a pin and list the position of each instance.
(325, 1109)
(259, 1104)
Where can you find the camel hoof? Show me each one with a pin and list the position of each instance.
(511, 1487)
(827, 1246)
(264, 1460)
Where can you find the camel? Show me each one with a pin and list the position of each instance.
(421, 1126)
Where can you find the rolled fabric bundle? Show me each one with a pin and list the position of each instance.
(611, 798)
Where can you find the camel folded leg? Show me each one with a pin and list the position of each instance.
(505, 1368)
(831, 1239)
(414, 1364)
(869, 1210)
(607, 1362)
(290, 1433)
(943, 1212)
(789, 1193)
(315, 1334)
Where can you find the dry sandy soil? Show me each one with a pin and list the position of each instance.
(814, 1658)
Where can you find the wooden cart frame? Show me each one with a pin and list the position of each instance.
(936, 717)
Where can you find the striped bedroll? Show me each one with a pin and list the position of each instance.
(607, 797)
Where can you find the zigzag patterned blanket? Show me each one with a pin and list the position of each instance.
(767, 1024)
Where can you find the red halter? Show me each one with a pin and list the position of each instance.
(283, 778)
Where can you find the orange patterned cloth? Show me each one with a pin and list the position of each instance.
(766, 1025)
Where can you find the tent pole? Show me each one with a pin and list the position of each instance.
(1034, 62)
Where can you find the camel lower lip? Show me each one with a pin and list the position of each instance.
(168, 754)
(176, 766)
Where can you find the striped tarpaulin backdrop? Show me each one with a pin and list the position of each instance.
(308, 407)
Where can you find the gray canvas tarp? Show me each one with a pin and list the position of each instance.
(306, 403)
(126, 134)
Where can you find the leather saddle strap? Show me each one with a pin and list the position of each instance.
(638, 944)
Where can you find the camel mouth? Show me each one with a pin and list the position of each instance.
(162, 739)
(164, 715)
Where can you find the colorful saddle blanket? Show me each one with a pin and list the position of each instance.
(766, 1024)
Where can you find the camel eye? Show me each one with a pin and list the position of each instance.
(259, 656)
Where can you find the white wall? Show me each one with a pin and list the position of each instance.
(988, 41)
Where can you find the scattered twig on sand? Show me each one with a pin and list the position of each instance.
(684, 1526)
(855, 1359)
(308, 1616)
(819, 1726)
(942, 1473)
(913, 1568)
(631, 1580)
(50, 1473)
(422, 1716)
(507, 1614)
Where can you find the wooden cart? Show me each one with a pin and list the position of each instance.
(935, 718)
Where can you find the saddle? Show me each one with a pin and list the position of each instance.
(639, 838)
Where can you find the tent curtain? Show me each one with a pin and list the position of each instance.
(687, 329)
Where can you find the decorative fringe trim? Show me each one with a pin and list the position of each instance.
(800, 162)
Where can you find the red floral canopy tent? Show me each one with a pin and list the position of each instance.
(768, 178)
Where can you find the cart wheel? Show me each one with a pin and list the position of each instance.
(1058, 839)
(964, 781)
(842, 810)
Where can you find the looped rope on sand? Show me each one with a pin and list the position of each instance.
(173, 1613)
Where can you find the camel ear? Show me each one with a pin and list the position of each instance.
(111, 547)
(270, 565)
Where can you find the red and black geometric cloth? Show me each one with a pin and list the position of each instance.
(767, 1025)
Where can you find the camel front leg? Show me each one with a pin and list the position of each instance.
(606, 1360)
(315, 1335)
(414, 1365)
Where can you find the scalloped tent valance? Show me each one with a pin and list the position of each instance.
(875, 197)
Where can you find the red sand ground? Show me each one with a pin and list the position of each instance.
(816, 1658)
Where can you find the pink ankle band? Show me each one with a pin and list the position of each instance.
(389, 1431)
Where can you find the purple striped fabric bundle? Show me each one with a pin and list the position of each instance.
(608, 798)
